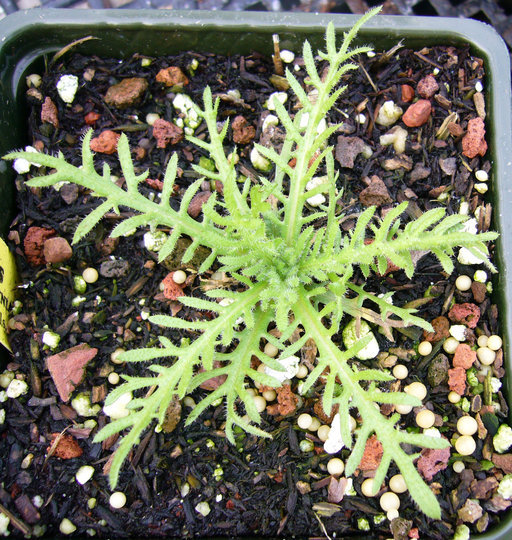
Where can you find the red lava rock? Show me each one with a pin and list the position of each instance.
(431, 461)
(196, 204)
(91, 118)
(67, 447)
(464, 356)
(166, 132)
(126, 93)
(286, 402)
(473, 143)
(158, 185)
(407, 93)
(67, 368)
(172, 76)
(503, 462)
(57, 250)
(467, 314)
(243, 132)
(372, 455)
(427, 87)
(171, 289)
(34, 244)
(105, 142)
(414, 533)
(347, 149)
(457, 380)
(441, 331)
(376, 194)
(322, 415)
(479, 291)
(417, 114)
(49, 113)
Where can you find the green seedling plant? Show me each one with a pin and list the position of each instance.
(293, 266)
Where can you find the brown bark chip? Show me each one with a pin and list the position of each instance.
(479, 291)
(503, 462)
(473, 143)
(67, 368)
(126, 93)
(196, 204)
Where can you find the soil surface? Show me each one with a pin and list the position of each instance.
(258, 487)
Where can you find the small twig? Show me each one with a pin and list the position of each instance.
(65, 49)
(322, 526)
(25, 529)
(368, 77)
(278, 63)
(425, 59)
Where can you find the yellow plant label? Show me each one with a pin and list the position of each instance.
(7, 290)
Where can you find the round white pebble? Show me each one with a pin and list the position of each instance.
(416, 389)
(304, 421)
(467, 425)
(302, 372)
(117, 499)
(335, 467)
(425, 419)
(260, 402)
(494, 343)
(392, 514)
(458, 466)
(453, 397)
(465, 445)
(463, 283)
(389, 501)
(450, 345)
(367, 488)
(269, 395)
(270, 350)
(114, 357)
(113, 378)
(400, 371)
(425, 348)
(323, 432)
(315, 424)
(481, 176)
(486, 355)
(397, 484)
(179, 277)
(403, 409)
(482, 340)
(90, 275)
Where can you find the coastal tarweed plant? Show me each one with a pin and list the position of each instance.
(293, 265)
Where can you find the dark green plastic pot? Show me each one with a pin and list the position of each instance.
(26, 37)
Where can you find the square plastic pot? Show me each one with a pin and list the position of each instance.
(27, 37)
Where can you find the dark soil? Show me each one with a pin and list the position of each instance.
(268, 487)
